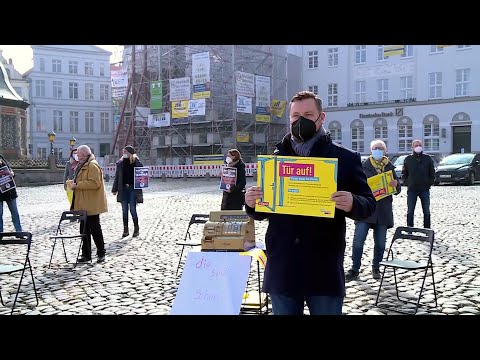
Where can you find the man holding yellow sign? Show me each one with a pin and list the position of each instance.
(305, 247)
(383, 182)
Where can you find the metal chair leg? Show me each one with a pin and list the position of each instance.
(51, 256)
(64, 252)
(180, 260)
(18, 291)
(33, 281)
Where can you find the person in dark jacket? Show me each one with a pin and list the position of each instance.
(10, 197)
(381, 219)
(123, 188)
(418, 175)
(234, 198)
(305, 254)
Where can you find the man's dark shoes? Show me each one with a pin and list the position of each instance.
(100, 259)
(376, 273)
(351, 274)
(83, 260)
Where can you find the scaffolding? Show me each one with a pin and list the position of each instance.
(209, 134)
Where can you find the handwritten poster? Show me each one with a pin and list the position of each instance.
(297, 185)
(212, 283)
(380, 185)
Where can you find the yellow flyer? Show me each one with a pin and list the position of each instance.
(297, 185)
(380, 185)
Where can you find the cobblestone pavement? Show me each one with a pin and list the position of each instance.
(138, 276)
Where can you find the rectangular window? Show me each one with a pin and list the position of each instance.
(360, 91)
(462, 81)
(406, 87)
(380, 56)
(57, 121)
(104, 92)
(434, 49)
(56, 66)
(41, 120)
(313, 59)
(57, 89)
(58, 152)
(73, 67)
(435, 84)
(336, 135)
(104, 122)
(89, 122)
(41, 153)
(408, 51)
(88, 91)
(74, 121)
(358, 139)
(73, 90)
(333, 57)
(382, 89)
(40, 88)
(360, 54)
(102, 69)
(405, 138)
(89, 69)
(332, 94)
(381, 132)
(464, 46)
(42, 64)
(314, 89)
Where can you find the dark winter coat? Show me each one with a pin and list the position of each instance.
(418, 172)
(384, 213)
(10, 194)
(235, 199)
(305, 254)
(118, 182)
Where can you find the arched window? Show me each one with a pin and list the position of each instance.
(431, 133)
(380, 130)
(405, 134)
(335, 129)
(358, 137)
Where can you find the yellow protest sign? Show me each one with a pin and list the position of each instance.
(380, 185)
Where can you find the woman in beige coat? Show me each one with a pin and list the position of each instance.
(89, 194)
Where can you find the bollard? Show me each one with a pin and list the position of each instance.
(207, 176)
(164, 177)
(184, 176)
(107, 177)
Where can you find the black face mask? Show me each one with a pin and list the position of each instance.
(304, 129)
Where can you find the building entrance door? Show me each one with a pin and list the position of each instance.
(462, 139)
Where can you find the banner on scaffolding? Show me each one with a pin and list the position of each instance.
(245, 84)
(201, 75)
(180, 89)
(156, 95)
(262, 100)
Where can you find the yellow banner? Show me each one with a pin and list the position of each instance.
(278, 107)
(390, 50)
(243, 137)
(297, 185)
(201, 95)
(263, 118)
(380, 185)
(258, 255)
(179, 109)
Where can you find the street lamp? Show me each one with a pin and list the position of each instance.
(72, 142)
(51, 138)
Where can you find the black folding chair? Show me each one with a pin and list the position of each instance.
(195, 219)
(64, 225)
(17, 238)
(422, 256)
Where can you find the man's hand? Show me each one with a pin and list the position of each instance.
(343, 200)
(12, 174)
(228, 190)
(393, 183)
(252, 194)
(114, 193)
(73, 185)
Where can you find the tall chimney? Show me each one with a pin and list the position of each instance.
(10, 61)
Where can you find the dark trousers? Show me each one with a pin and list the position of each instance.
(412, 202)
(93, 230)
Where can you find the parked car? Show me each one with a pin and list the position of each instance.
(458, 168)
(399, 165)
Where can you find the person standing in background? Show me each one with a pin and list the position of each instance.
(234, 198)
(123, 188)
